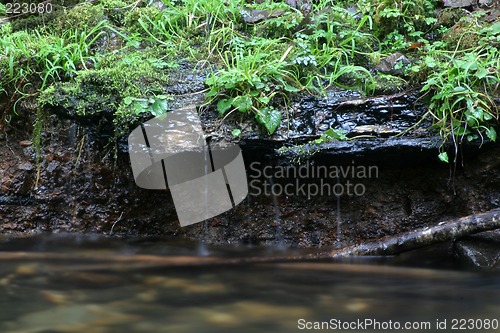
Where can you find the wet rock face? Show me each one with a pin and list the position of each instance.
(348, 111)
(309, 117)
(481, 251)
(79, 187)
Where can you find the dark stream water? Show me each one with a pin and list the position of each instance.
(55, 283)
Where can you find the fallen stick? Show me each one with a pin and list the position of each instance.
(444, 231)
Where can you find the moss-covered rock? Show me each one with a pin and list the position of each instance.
(389, 84)
(96, 98)
(450, 16)
(464, 34)
(48, 20)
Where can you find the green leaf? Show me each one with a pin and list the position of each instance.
(443, 157)
(495, 28)
(491, 134)
(336, 134)
(290, 88)
(236, 132)
(430, 62)
(430, 82)
(159, 106)
(140, 106)
(211, 80)
(459, 89)
(415, 69)
(213, 92)
(243, 103)
(128, 100)
(471, 137)
(223, 105)
(259, 85)
(430, 20)
(230, 85)
(270, 118)
(264, 99)
(477, 113)
(481, 73)
(155, 105)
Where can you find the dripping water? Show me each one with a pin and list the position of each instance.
(279, 239)
(339, 218)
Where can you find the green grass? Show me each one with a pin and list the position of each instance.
(462, 84)
(33, 61)
(256, 68)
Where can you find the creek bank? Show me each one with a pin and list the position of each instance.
(79, 186)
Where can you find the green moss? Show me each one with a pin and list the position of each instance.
(300, 153)
(36, 21)
(115, 10)
(388, 84)
(82, 17)
(96, 97)
(45, 21)
(450, 16)
(463, 35)
(133, 17)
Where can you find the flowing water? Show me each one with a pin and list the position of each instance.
(62, 283)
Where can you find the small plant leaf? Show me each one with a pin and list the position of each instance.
(159, 106)
(223, 105)
(290, 88)
(443, 157)
(264, 100)
(491, 134)
(236, 132)
(336, 134)
(140, 105)
(270, 118)
(430, 62)
(128, 100)
(481, 73)
(213, 92)
(243, 103)
(495, 28)
(259, 85)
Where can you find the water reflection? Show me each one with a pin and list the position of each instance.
(86, 284)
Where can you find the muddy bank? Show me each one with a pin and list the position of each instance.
(79, 186)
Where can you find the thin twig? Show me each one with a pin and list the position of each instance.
(113, 226)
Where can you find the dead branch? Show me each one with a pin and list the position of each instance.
(444, 231)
